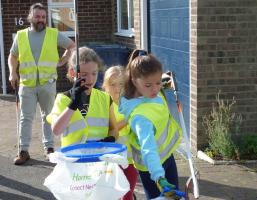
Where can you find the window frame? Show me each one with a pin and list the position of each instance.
(125, 32)
(52, 5)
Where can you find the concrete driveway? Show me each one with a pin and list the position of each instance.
(217, 182)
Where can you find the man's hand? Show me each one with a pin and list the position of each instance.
(13, 67)
(76, 92)
(66, 55)
(62, 61)
(13, 78)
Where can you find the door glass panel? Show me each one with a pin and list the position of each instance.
(63, 19)
(124, 14)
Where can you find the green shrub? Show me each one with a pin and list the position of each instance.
(248, 146)
(220, 124)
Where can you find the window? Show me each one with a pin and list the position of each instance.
(125, 18)
(61, 16)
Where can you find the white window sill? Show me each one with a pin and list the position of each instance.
(130, 35)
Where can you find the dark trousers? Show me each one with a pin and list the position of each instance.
(171, 175)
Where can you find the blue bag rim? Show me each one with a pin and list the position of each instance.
(92, 144)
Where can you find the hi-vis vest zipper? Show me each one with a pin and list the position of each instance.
(168, 133)
(47, 62)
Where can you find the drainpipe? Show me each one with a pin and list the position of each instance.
(143, 19)
(2, 52)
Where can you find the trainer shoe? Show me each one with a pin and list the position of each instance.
(48, 151)
(21, 158)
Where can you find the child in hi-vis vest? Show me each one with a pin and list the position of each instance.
(154, 133)
(83, 112)
(112, 84)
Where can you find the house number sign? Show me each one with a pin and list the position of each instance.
(19, 21)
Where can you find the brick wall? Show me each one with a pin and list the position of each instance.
(94, 19)
(223, 57)
(95, 27)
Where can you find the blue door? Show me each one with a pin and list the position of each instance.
(169, 41)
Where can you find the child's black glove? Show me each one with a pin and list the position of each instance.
(107, 139)
(166, 80)
(75, 93)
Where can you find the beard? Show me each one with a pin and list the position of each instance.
(40, 26)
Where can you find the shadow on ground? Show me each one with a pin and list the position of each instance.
(22, 188)
(38, 162)
(221, 191)
(9, 97)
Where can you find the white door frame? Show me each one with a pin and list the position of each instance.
(143, 23)
(2, 51)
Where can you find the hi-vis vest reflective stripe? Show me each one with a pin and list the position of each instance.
(76, 130)
(47, 62)
(97, 117)
(123, 133)
(168, 133)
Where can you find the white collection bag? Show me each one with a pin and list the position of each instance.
(86, 180)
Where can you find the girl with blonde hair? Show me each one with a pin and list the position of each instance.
(112, 84)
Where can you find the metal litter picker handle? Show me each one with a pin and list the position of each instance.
(186, 139)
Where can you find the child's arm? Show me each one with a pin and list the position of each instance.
(145, 131)
(113, 130)
(60, 114)
(121, 124)
(59, 123)
(149, 150)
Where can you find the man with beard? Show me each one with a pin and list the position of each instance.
(35, 51)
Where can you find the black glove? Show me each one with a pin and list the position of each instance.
(75, 93)
(107, 139)
(166, 79)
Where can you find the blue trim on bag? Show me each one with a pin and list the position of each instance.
(83, 158)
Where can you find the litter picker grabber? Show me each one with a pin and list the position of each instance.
(188, 155)
(76, 38)
(17, 100)
(174, 195)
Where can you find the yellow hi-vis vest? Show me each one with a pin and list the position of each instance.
(123, 133)
(47, 63)
(76, 130)
(168, 133)
(96, 123)
(98, 114)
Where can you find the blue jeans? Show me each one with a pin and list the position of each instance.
(171, 175)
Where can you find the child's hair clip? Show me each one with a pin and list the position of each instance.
(142, 53)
